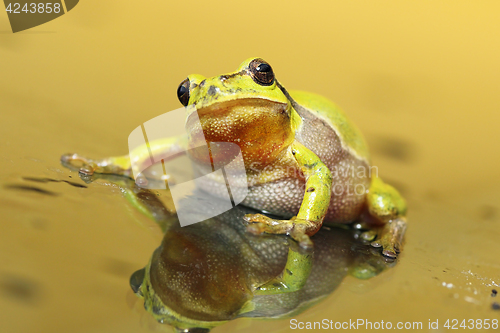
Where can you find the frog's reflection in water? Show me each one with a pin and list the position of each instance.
(207, 273)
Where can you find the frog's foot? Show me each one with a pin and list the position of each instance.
(298, 229)
(391, 237)
(112, 165)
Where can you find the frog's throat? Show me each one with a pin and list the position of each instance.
(262, 129)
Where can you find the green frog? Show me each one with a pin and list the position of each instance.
(206, 274)
(305, 162)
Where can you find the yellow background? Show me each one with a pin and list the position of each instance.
(420, 78)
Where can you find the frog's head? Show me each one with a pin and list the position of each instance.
(247, 107)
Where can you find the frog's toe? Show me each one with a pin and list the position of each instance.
(295, 228)
(73, 159)
(87, 167)
(303, 239)
(256, 228)
(257, 218)
(259, 223)
(269, 225)
(369, 235)
(391, 239)
(84, 165)
(388, 249)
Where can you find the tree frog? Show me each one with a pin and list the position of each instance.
(305, 161)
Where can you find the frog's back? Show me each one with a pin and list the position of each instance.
(314, 105)
(326, 130)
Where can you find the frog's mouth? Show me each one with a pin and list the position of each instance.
(249, 107)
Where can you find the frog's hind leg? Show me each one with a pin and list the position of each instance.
(157, 150)
(118, 165)
(387, 206)
(391, 237)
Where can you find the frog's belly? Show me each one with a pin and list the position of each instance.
(284, 197)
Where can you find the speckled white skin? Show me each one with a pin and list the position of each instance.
(283, 195)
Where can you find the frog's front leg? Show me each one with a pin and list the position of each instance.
(386, 205)
(143, 155)
(314, 205)
(294, 276)
(306, 223)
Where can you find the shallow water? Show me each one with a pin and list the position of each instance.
(421, 81)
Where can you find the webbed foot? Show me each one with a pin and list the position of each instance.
(112, 165)
(299, 230)
(391, 237)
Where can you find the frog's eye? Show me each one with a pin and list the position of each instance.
(183, 92)
(261, 72)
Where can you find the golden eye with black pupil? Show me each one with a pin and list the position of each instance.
(261, 72)
(183, 92)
